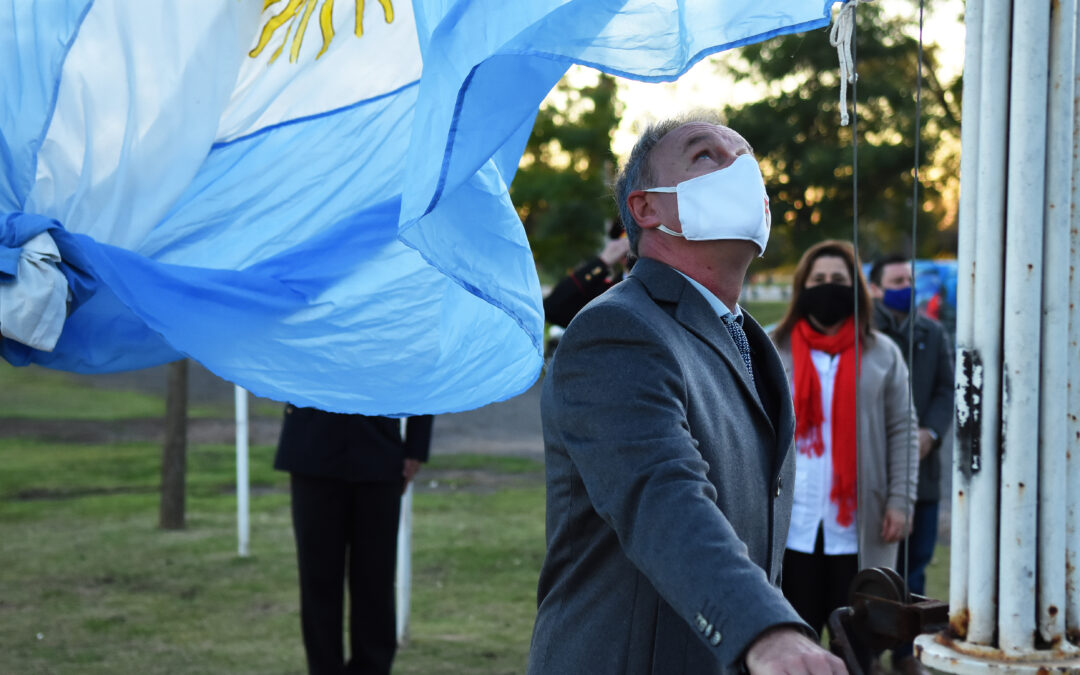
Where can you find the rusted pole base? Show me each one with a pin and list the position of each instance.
(949, 656)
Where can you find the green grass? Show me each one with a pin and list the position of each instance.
(33, 392)
(766, 312)
(39, 393)
(88, 584)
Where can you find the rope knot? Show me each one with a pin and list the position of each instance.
(840, 36)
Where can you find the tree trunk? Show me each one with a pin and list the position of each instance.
(174, 453)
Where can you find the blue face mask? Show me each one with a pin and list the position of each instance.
(897, 299)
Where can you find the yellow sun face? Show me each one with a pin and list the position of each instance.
(297, 13)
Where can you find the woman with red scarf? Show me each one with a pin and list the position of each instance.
(856, 461)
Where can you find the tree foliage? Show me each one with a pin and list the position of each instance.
(561, 190)
(807, 157)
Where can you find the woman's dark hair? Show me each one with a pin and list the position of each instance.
(833, 248)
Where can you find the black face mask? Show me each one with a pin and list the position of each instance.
(829, 304)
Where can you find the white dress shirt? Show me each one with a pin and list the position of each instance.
(716, 303)
(813, 481)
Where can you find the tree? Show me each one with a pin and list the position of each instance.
(561, 190)
(806, 156)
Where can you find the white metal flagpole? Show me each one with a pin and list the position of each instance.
(989, 292)
(1024, 228)
(242, 480)
(1054, 423)
(965, 326)
(403, 585)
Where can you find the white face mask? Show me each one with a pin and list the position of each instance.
(730, 203)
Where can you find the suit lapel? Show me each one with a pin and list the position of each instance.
(697, 316)
(773, 374)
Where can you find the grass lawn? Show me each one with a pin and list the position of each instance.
(88, 584)
(33, 392)
(766, 312)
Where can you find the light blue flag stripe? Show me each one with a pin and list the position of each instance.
(32, 49)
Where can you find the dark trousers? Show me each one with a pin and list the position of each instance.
(918, 550)
(343, 526)
(815, 584)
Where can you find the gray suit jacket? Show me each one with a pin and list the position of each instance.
(668, 487)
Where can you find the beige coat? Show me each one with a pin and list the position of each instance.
(887, 457)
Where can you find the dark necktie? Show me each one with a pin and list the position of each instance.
(739, 336)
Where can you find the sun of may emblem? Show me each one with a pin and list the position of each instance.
(296, 15)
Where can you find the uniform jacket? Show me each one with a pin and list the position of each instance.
(668, 487)
(932, 385)
(887, 457)
(349, 447)
(587, 281)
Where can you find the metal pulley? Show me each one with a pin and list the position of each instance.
(881, 614)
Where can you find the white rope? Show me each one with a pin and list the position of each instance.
(840, 37)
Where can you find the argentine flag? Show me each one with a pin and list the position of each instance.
(309, 197)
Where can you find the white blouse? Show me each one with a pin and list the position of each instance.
(813, 481)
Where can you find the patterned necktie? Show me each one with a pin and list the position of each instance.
(739, 336)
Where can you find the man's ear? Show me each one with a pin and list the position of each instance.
(876, 292)
(641, 208)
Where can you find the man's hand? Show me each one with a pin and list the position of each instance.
(615, 250)
(786, 650)
(926, 442)
(409, 472)
(894, 526)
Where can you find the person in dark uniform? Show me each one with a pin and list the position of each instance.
(347, 476)
(588, 280)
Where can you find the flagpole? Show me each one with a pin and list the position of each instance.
(403, 583)
(242, 479)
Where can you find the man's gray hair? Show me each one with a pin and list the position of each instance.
(638, 174)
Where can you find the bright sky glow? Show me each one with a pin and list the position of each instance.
(704, 86)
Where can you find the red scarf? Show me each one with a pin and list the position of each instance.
(809, 415)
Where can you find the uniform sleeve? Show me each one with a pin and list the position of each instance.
(620, 409)
(418, 437)
(575, 291)
(901, 431)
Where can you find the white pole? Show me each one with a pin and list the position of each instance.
(1072, 526)
(1024, 229)
(1053, 434)
(242, 506)
(404, 565)
(965, 328)
(403, 584)
(986, 368)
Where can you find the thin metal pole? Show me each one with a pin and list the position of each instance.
(912, 307)
(855, 235)
(986, 369)
(403, 581)
(1072, 524)
(1053, 432)
(986, 343)
(1024, 228)
(965, 427)
(243, 527)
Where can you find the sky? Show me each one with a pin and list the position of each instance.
(705, 86)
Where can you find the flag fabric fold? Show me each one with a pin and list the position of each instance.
(312, 204)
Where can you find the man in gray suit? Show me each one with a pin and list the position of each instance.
(668, 430)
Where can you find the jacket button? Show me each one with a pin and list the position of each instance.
(701, 622)
(715, 639)
(779, 485)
